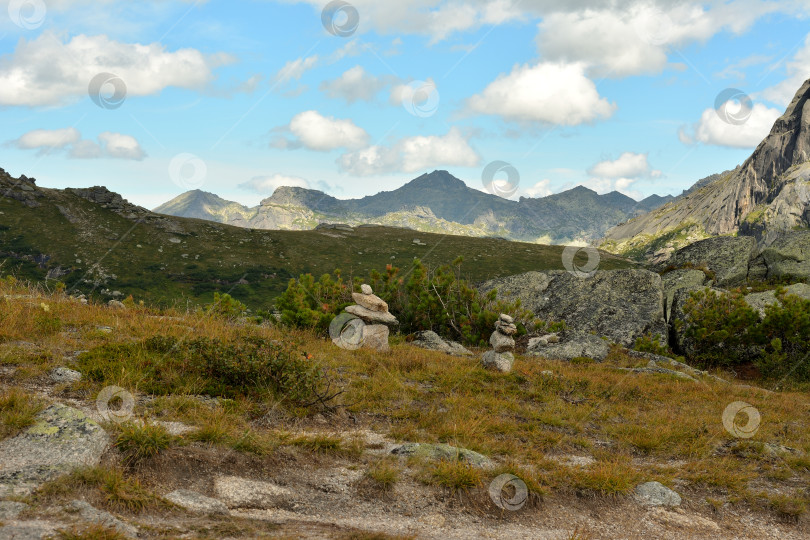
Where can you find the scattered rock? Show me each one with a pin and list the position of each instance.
(375, 336)
(432, 341)
(441, 451)
(622, 305)
(498, 361)
(541, 341)
(115, 304)
(656, 494)
(28, 530)
(574, 346)
(94, 515)
(65, 375)
(662, 371)
(759, 301)
(9, 510)
(372, 317)
(239, 492)
(62, 439)
(196, 502)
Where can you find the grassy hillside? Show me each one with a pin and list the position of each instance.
(580, 435)
(103, 244)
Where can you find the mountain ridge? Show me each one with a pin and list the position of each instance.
(768, 194)
(578, 215)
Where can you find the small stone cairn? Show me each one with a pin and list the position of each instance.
(373, 311)
(500, 358)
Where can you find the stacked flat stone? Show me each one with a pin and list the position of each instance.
(374, 312)
(500, 357)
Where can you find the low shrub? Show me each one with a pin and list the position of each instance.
(249, 366)
(726, 332)
(437, 299)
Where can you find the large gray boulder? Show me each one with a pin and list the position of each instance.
(680, 322)
(788, 257)
(62, 439)
(621, 305)
(727, 256)
(573, 346)
(675, 280)
(759, 301)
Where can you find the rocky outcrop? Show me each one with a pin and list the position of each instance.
(62, 439)
(621, 305)
(575, 345)
(432, 341)
(442, 452)
(727, 257)
(656, 494)
(759, 301)
(786, 258)
(675, 280)
(764, 196)
(196, 502)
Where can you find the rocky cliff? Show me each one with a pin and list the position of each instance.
(766, 195)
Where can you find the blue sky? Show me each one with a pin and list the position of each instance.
(240, 97)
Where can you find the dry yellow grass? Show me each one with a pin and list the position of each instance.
(633, 427)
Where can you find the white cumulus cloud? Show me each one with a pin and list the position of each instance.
(540, 189)
(109, 144)
(552, 93)
(48, 71)
(355, 84)
(323, 133)
(713, 130)
(628, 165)
(412, 154)
(268, 184)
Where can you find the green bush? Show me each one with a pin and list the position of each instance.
(249, 366)
(226, 306)
(723, 329)
(726, 332)
(440, 300)
(786, 335)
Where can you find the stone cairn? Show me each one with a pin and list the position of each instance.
(373, 311)
(500, 357)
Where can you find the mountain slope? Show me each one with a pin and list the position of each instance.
(96, 242)
(765, 195)
(434, 202)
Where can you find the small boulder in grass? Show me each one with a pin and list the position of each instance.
(656, 494)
